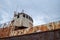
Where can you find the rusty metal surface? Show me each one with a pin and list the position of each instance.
(48, 35)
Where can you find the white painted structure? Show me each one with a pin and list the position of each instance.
(22, 20)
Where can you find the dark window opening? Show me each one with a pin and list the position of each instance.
(26, 16)
(23, 15)
(50, 25)
(18, 16)
(30, 19)
(21, 27)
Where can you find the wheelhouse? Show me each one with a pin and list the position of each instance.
(22, 20)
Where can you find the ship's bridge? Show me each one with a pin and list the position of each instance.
(22, 20)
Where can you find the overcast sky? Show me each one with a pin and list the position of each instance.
(42, 11)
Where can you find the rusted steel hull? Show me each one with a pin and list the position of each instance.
(47, 35)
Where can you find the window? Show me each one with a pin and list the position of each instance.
(19, 27)
(26, 16)
(18, 16)
(23, 15)
(29, 18)
(50, 25)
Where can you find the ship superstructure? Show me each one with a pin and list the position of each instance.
(22, 20)
(22, 24)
